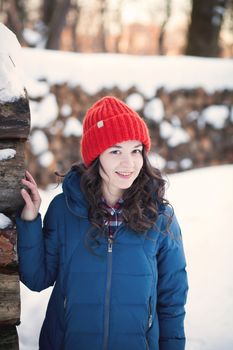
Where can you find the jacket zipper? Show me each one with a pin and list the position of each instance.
(149, 324)
(107, 296)
(149, 314)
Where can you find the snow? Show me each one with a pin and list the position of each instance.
(215, 116)
(73, 127)
(66, 110)
(178, 136)
(175, 135)
(45, 112)
(46, 159)
(165, 129)
(148, 73)
(31, 36)
(135, 101)
(186, 163)
(154, 110)
(37, 88)
(39, 142)
(5, 221)
(156, 160)
(7, 153)
(176, 121)
(11, 87)
(203, 207)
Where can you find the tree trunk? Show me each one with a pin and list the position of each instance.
(48, 8)
(57, 23)
(14, 20)
(163, 28)
(102, 29)
(204, 29)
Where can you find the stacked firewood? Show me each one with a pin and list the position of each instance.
(14, 130)
(181, 133)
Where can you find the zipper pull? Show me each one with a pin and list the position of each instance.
(150, 321)
(110, 245)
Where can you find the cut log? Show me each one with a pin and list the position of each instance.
(8, 257)
(9, 300)
(8, 338)
(11, 172)
(15, 119)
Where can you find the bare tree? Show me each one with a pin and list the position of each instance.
(15, 16)
(102, 27)
(163, 27)
(205, 26)
(57, 22)
(75, 13)
(48, 8)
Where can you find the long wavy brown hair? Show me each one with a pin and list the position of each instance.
(141, 201)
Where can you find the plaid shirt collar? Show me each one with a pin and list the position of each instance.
(114, 217)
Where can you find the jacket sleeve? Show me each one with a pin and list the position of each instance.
(38, 250)
(172, 288)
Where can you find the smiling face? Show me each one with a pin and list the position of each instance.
(120, 165)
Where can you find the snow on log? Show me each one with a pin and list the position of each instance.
(14, 105)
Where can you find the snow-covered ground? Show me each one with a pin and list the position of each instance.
(203, 202)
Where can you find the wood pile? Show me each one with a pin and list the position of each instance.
(183, 109)
(14, 130)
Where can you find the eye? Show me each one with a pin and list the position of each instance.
(116, 151)
(137, 151)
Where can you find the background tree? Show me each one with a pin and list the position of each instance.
(16, 16)
(163, 27)
(204, 29)
(55, 16)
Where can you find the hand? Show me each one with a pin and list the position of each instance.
(31, 197)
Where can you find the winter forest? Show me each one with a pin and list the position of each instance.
(171, 61)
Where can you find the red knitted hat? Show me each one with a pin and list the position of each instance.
(108, 122)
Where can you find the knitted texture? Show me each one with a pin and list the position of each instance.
(108, 122)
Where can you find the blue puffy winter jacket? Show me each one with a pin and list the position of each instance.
(129, 296)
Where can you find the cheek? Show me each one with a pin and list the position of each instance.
(140, 164)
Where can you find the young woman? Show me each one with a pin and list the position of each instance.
(110, 243)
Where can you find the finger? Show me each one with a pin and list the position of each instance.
(30, 185)
(34, 193)
(30, 177)
(27, 198)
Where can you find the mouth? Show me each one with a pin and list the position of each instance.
(124, 174)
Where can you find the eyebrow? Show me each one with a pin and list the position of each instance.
(118, 146)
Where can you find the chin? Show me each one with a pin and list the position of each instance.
(125, 186)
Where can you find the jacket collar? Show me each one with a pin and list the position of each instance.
(75, 198)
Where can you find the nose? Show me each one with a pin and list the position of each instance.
(127, 160)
